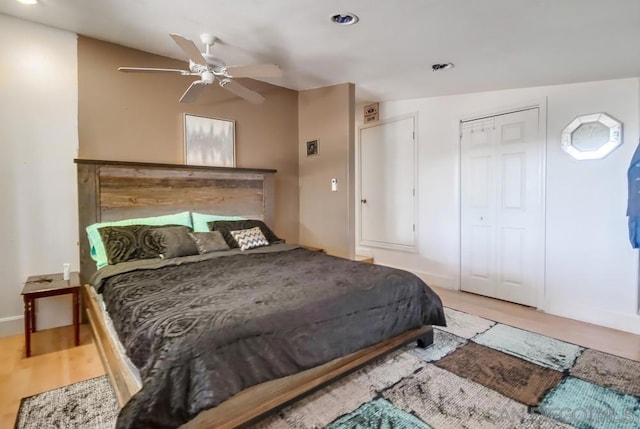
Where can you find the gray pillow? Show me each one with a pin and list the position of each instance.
(175, 241)
(208, 242)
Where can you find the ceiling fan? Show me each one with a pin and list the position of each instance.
(212, 69)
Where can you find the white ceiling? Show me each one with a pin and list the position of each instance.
(495, 44)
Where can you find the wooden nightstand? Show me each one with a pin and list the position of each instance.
(313, 249)
(49, 285)
(365, 259)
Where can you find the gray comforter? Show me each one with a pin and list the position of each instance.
(202, 329)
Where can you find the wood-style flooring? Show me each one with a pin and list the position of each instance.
(56, 362)
(584, 334)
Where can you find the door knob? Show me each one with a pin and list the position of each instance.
(363, 201)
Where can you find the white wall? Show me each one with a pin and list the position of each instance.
(39, 139)
(591, 270)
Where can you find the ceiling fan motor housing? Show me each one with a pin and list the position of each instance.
(207, 77)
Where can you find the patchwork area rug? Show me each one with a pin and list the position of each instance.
(478, 374)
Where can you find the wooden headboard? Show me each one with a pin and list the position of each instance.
(114, 190)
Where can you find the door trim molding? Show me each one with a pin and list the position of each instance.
(416, 181)
(540, 104)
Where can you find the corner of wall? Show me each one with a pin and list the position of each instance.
(326, 217)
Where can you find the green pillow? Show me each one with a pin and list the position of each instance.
(201, 220)
(98, 252)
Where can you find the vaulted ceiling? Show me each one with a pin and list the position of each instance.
(388, 54)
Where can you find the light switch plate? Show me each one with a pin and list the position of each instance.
(334, 185)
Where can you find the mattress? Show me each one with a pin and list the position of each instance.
(202, 329)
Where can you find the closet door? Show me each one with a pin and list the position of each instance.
(502, 223)
(387, 184)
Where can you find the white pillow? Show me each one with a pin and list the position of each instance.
(249, 238)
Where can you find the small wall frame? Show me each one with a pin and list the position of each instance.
(592, 136)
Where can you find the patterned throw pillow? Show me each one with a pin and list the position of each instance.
(226, 226)
(208, 242)
(99, 253)
(175, 241)
(249, 238)
(128, 243)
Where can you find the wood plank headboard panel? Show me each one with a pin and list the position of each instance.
(111, 190)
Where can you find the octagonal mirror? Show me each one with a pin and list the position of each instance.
(592, 136)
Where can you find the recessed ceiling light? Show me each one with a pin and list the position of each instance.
(344, 18)
(28, 1)
(443, 66)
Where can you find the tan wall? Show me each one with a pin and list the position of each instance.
(137, 117)
(326, 217)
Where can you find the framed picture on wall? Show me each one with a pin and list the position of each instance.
(209, 141)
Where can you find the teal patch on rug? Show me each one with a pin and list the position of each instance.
(378, 414)
(535, 348)
(588, 406)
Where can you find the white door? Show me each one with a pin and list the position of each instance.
(502, 223)
(387, 184)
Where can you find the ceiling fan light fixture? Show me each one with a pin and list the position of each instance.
(344, 18)
(30, 2)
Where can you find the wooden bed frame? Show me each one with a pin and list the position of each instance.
(109, 190)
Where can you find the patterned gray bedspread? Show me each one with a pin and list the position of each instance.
(202, 331)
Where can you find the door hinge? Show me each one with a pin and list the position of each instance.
(414, 192)
(414, 227)
(414, 135)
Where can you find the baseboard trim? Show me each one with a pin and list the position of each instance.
(11, 326)
(610, 319)
(364, 251)
(438, 280)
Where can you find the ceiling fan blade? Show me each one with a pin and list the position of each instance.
(255, 70)
(152, 70)
(189, 48)
(242, 91)
(192, 93)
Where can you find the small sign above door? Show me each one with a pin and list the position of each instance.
(371, 112)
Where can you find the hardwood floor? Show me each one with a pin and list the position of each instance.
(584, 334)
(56, 362)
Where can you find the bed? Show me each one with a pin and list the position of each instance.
(221, 340)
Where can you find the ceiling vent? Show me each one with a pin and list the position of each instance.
(443, 66)
(344, 18)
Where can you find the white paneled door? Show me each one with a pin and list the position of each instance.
(502, 220)
(387, 184)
